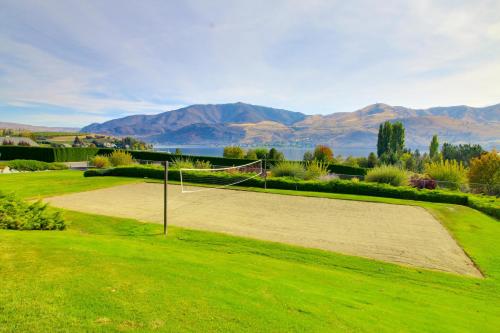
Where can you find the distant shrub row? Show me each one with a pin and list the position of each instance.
(32, 165)
(487, 205)
(50, 154)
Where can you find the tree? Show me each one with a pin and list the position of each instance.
(251, 154)
(461, 153)
(485, 170)
(308, 156)
(372, 160)
(397, 138)
(434, 147)
(391, 142)
(233, 152)
(261, 153)
(178, 151)
(351, 161)
(380, 141)
(323, 153)
(275, 155)
(384, 139)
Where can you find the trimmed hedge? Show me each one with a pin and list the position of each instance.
(32, 165)
(70, 154)
(347, 170)
(47, 154)
(487, 205)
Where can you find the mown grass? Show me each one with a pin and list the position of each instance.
(47, 183)
(112, 274)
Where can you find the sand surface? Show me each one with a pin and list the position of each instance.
(400, 234)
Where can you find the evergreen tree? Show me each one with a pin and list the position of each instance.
(384, 139)
(434, 147)
(397, 138)
(372, 160)
(308, 156)
(274, 154)
(380, 140)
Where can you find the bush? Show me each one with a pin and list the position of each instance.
(202, 164)
(120, 157)
(423, 182)
(57, 166)
(251, 154)
(31, 165)
(233, 152)
(451, 174)
(20, 215)
(315, 170)
(100, 162)
(484, 173)
(288, 169)
(387, 174)
(182, 163)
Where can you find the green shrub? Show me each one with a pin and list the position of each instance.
(20, 215)
(251, 154)
(100, 162)
(31, 165)
(233, 152)
(288, 169)
(451, 174)
(182, 163)
(120, 157)
(202, 164)
(57, 166)
(315, 170)
(387, 174)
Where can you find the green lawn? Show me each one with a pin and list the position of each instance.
(46, 183)
(111, 274)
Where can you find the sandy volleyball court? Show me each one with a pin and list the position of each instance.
(394, 233)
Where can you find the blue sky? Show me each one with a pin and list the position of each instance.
(71, 63)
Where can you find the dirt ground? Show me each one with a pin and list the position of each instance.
(406, 235)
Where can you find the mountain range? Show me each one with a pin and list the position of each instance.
(240, 123)
(32, 128)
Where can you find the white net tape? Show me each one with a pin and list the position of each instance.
(218, 177)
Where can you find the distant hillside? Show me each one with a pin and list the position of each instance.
(209, 114)
(37, 128)
(250, 124)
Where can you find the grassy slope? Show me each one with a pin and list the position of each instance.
(114, 274)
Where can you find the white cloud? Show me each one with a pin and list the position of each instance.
(317, 56)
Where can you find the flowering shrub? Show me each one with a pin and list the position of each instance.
(424, 182)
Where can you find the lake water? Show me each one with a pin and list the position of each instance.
(291, 153)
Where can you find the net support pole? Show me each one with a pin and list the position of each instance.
(165, 194)
(265, 172)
